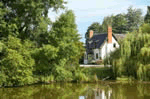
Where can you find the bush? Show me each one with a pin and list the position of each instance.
(17, 63)
(81, 77)
(101, 72)
(62, 74)
(46, 79)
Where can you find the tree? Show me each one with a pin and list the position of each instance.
(96, 27)
(147, 16)
(29, 52)
(67, 40)
(132, 58)
(107, 22)
(62, 49)
(134, 19)
(25, 15)
(119, 24)
(5, 28)
(22, 20)
(145, 28)
(66, 36)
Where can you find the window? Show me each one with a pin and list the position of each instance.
(96, 55)
(114, 45)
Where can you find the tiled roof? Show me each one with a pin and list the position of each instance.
(98, 40)
(120, 36)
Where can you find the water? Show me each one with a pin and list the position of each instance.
(105, 90)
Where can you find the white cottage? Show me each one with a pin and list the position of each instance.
(100, 45)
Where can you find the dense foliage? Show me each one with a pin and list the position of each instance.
(29, 51)
(132, 58)
(23, 17)
(119, 23)
(16, 62)
(96, 27)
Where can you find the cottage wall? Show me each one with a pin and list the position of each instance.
(107, 48)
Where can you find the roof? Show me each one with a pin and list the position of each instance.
(120, 36)
(98, 40)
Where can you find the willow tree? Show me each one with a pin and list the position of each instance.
(132, 58)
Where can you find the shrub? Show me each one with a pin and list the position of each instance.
(62, 74)
(17, 63)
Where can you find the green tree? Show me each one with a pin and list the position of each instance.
(66, 36)
(145, 28)
(107, 22)
(61, 50)
(132, 58)
(44, 59)
(134, 19)
(119, 24)
(147, 16)
(19, 21)
(5, 27)
(96, 27)
(25, 15)
(67, 39)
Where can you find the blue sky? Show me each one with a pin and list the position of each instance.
(89, 11)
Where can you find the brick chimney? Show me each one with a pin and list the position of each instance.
(109, 34)
(91, 32)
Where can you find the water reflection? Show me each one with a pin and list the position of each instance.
(98, 93)
(78, 91)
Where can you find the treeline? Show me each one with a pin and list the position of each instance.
(29, 51)
(121, 23)
(132, 59)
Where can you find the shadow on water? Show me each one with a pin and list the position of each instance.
(78, 91)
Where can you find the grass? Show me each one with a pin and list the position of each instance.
(100, 72)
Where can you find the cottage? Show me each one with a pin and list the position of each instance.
(100, 45)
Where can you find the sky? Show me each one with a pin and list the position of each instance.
(89, 11)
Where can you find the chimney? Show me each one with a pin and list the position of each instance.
(109, 34)
(91, 33)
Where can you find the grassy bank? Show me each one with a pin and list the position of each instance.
(100, 72)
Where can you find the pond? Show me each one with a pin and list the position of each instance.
(105, 90)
